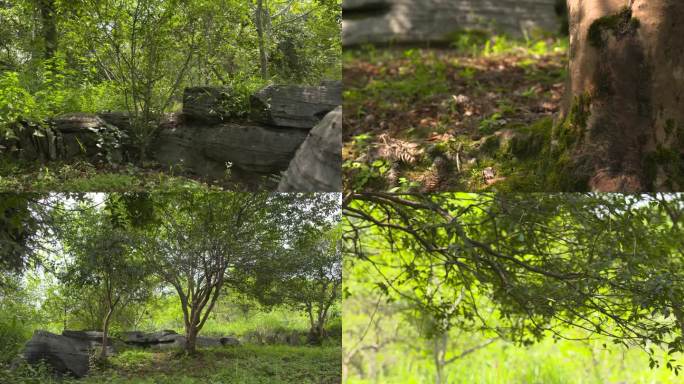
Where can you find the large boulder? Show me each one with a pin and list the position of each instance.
(207, 104)
(118, 119)
(84, 335)
(415, 21)
(93, 338)
(208, 150)
(86, 135)
(65, 355)
(317, 165)
(295, 106)
(170, 341)
(79, 133)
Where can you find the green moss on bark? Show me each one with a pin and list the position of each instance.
(670, 161)
(621, 23)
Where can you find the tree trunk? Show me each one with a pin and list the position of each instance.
(622, 126)
(48, 27)
(191, 339)
(105, 334)
(260, 24)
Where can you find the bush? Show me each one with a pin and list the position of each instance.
(16, 321)
(15, 103)
(29, 374)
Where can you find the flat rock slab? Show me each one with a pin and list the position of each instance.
(416, 21)
(295, 106)
(208, 150)
(317, 165)
(148, 338)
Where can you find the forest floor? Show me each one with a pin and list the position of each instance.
(472, 117)
(84, 176)
(247, 364)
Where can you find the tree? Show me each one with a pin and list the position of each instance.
(608, 264)
(103, 258)
(146, 47)
(25, 219)
(622, 128)
(207, 241)
(48, 16)
(314, 278)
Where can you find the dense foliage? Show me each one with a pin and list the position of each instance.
(609, 265)
(60, 56)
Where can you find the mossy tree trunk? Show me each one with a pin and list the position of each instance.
(622, 126)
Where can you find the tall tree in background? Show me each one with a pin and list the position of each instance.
(260, 18)
(48, 16)
(308, 276)
(316, 280)
(623, 124)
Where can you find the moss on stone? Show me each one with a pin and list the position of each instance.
(620, 23)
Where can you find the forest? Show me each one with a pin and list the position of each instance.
(131, 95)
(512, 288)
(519, 96)
(170, 288)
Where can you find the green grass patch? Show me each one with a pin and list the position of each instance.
(239, 365)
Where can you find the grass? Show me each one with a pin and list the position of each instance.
(19, 176)
(416, 119)
(246, 364)
(564, 362)
(239, 365)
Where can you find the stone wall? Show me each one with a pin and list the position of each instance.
(203, 140)
(412, 21)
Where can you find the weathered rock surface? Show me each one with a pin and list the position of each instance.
(286, 337)
(93, 338)
(229, 341)
(295, 106)
(206, 104)
(317, 165)
(148, 338)
(175, 341)
(117, 119)
(412, 21)
(66, 355)
(206, 150)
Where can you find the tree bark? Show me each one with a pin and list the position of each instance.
(105, 334)
(622, 125)
(48, 27)
(260, 24)
(191, 339)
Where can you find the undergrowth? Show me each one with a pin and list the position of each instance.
(406, 130)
